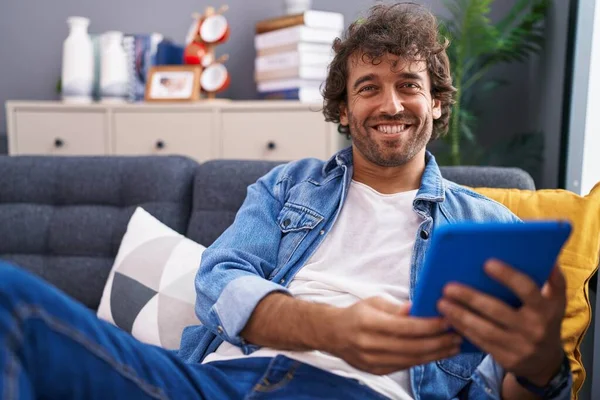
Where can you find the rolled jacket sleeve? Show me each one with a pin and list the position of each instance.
(234, 272)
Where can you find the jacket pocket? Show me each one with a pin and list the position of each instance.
(461, 366)
(295, 222)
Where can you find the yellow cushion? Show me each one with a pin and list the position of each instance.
(578, 258)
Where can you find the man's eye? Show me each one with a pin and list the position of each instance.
(410, 85)
(368, 88)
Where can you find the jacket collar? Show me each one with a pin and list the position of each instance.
(342, 157)
(432, 184)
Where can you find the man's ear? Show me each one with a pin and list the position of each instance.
(343, 114)
(436, 111)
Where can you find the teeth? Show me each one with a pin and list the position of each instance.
(391, 128)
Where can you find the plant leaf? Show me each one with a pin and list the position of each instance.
(477, 45)
(492, 84)
(520, 32)
(522, 150)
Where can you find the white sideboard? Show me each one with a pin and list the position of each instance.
(267, 130)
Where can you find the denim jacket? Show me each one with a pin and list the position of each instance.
(286, 215)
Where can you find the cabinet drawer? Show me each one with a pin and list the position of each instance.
(182, 133)
(274, 135)
(60, 133)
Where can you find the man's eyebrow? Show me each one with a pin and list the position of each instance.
(363, 79)
(411, 76)
(371, 77)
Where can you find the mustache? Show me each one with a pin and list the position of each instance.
(401, 117)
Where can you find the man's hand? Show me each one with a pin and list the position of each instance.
(373, 335)
(377, 336)
(526, 341)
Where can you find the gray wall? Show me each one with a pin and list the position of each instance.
(32, 32)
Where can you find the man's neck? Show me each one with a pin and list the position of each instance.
(389, 180)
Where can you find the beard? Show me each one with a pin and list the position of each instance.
(392, 152)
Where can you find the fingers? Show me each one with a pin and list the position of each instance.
(386, 363)
(410, 327)
(394, 345)
(500, 351)
(520, 284)
(478, 329)
(398, 354)
(383, 317)
(427, 346)
(384, 338)
(556, 287)
(483, 304)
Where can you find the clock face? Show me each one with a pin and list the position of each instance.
(215, 78)
(214, 29)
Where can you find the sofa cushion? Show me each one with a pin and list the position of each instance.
(219, 191)
(63, 217)
(150, 291)
(493, 177)
(578, 259)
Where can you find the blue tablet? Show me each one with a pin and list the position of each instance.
(458, 252)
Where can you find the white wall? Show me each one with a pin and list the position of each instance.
(590, 173)
(583, 157)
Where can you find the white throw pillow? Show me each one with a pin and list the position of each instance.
(150, 290)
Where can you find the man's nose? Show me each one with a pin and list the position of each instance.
(391, 103)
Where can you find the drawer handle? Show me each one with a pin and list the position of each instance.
(58, 143)
(271, 145)
(160, 144)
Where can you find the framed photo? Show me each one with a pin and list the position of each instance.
(173, 83)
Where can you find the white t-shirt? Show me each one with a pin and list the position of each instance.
(367, 253)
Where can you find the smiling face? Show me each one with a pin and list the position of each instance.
(389, 109)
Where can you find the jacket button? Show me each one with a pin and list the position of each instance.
(424, 235)
(286, 223)
(220, 329)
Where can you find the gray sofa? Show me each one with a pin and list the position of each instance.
(64, 217)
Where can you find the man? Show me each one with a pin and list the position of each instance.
(307, 294)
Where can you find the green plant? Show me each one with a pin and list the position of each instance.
(476, 45)
(522, 150)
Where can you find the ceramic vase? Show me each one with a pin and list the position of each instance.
(297, 6)
(77, 74)
(113, 68)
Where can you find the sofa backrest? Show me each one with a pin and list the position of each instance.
(64, 217)
(220, 188)
(219, 191)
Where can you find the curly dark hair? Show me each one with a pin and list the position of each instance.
(406, 30)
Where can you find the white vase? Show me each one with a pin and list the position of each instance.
(113, 69)
(297, 6)
(77, 62)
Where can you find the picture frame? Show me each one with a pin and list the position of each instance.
(173, 83)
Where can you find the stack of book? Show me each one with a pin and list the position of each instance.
(293, 53)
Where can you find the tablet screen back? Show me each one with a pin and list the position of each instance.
(459, 251)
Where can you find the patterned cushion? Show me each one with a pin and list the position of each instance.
(150, 290)
(63, 217)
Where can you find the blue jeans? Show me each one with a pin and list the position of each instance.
(55, 348)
